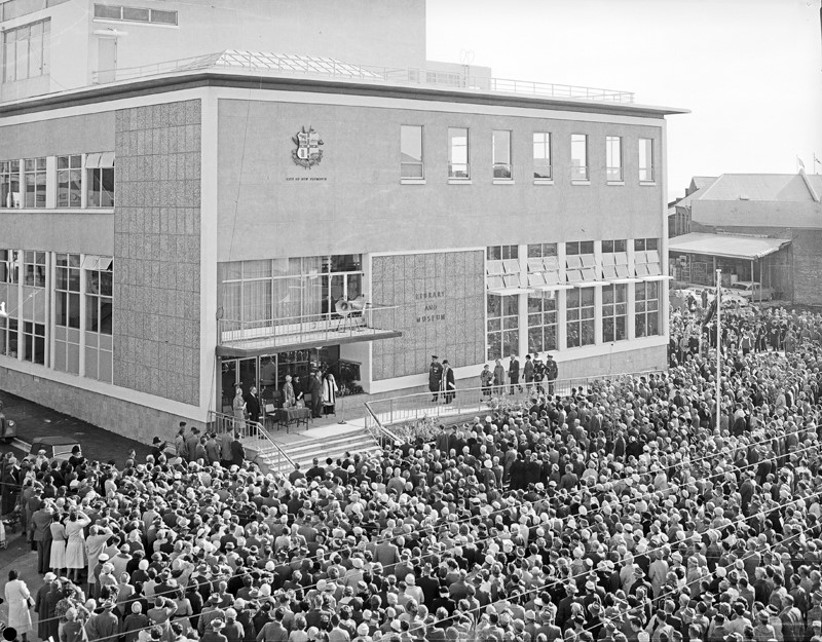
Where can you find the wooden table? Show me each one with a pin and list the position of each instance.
(288, 416)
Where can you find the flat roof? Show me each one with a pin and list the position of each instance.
(180, 79)
(726, 245)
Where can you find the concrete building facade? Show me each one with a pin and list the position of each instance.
(171, 234)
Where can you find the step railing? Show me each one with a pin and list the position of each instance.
(221, 422)
(413, 407)
(379, 433)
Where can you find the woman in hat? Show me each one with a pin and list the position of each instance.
(18, 598)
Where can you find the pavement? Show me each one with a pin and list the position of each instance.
(34, 420)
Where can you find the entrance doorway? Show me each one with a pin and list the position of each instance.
(268, 372)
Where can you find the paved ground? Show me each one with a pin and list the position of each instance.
(34, 420)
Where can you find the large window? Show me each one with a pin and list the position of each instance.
(100, 179)
(580, 314)
(613, 159)
(69, 177)
(646, 160)
(99, 355)
(615, 259)
(579, 157)
(9, 184)
(411, 152)
(67, 313)
(458, 166)
(542, 156)
(286, 292)
(647, 308)
(542, 322)
(134, 14)
(26, 51)
(34, 179)
(614, 312)
(503, 326)
(501, 151)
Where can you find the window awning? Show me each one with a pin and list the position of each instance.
(99, 159)
(726, 245)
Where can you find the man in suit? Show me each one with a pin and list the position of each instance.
(252, 405)
(448, 386)
(315, 387)
(237, 450)
(513, 373)
(40, 523)
(434, 376)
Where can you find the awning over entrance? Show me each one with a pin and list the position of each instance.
(725, 245)
(260, 347)
(241, 340)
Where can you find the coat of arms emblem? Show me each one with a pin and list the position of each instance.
(308, 152)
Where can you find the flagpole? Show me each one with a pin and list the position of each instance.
(718, 349)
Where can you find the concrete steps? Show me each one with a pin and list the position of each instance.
(356, 440)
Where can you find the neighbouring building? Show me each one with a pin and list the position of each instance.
(177, 222)
(755, 227)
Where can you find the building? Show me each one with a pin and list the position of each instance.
(755, 227)
(174, 223)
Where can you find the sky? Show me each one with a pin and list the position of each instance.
(750, 71)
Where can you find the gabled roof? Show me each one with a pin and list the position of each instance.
(762, 187)
(701, 182)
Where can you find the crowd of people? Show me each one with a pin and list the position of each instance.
(626, 511)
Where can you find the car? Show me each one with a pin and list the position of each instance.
(57, 447)
(751, 290)
(8, 427)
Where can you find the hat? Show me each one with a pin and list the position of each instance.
(103, 557)
(49, 577)
(433, 356)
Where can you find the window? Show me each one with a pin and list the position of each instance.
(579, 247)
(67, 313)
(647, 308)
(641, 245)
(579, 157)
(411, 152)
(502, 252)
(614, 313)
(646, 160)
(615, 259)
(34, 269)
(580, 317)
(34, 180)
(26, 51)
(99, 355)
(613, 159)
(542, 322)
(10, 266)
(458, 153)
(542, 156)
(542, 250)
(34, 342)
(8, 336)
(100, 179)
(611, 247)
(135, 14)
(503, 326)
(69, 175)
(501, 151)
(10, 184)
(282, 292)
